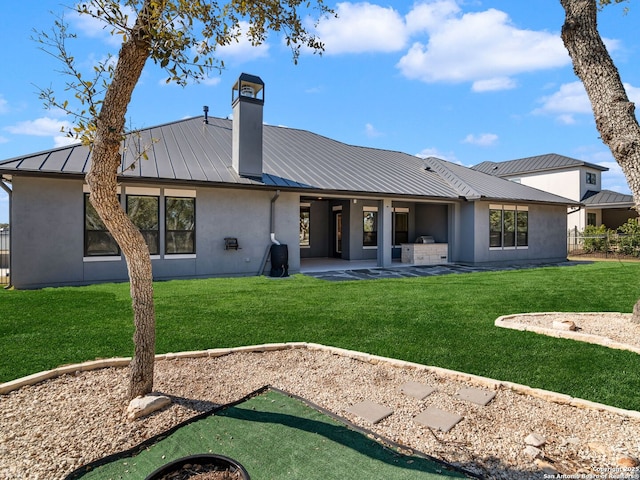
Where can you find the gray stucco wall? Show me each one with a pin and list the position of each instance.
(547, 236)
(431, 220)
(47, 231)
(49, 235)
(320, 230)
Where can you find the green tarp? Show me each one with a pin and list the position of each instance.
(275, 436)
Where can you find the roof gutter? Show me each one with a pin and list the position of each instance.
(6, 188)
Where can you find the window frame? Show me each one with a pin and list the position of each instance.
(516, 237)
(372, 212)
(117, 255)
(152, 251)
(167, 231)
(591, 178)
(305, 208)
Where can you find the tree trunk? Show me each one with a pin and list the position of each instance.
(614, 113)
(102, 180)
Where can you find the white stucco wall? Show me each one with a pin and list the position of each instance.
(565, 184)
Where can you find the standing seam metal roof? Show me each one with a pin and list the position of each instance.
(190, 151)
(538, 163)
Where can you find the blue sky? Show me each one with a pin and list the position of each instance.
(464, 80)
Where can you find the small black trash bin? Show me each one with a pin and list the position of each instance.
(279, 261)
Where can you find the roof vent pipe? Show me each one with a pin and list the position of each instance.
(206, 114)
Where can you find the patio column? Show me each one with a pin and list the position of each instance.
(385, 237)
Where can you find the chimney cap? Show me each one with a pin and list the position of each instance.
(248, 87)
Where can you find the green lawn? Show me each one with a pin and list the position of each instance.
(445, 321)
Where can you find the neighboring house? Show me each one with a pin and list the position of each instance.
(570, 178)
(210, 185)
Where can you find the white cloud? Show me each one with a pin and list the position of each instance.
(482, 140)
(481, 47)
(362, 27)
(63, 141)
(571, 99)
(371, 131)
(434, 152)
(493, 84)
(242, 51)
(426, 17)
(40, 127)
(4, 105)
(92, 27)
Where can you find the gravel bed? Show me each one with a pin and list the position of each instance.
(616, 327)
(49, 429)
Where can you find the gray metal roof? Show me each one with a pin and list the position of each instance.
(539, 163)
(474, 186)
(190, 151)
(607, 198)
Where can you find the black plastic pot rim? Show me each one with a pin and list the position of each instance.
(201, 459)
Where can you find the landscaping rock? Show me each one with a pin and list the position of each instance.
(532, 452)
(535, 440)
(628, 462)
(142, 406)
(546, 467)
(566, 325)
(598, 447)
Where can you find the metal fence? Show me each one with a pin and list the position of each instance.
(4, 256)
(606, 245)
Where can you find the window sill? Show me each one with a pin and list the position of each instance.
(104, 258)
(178, 256)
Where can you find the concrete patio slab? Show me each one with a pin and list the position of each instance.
(417, 390)
(441, 420)
(476, 395)
(343, 270)
(370, 411)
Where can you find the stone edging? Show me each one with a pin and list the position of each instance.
(363, 357)
(506, 321)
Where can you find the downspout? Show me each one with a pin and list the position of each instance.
(273, 218)
(272, 230)
(6, 188)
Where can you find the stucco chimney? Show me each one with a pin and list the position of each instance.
(247, 100)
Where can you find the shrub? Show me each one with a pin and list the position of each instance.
(629, 238)
(596, 239)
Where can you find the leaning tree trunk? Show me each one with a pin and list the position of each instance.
(102, 181)
(614, 113)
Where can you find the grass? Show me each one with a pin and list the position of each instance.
(445, 321)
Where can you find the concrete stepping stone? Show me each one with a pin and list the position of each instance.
(370, 411)
(417, 390)
(476, 395)
(441, 420)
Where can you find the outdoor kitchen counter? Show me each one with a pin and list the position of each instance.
(425, 253)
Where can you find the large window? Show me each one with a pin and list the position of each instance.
(98, 242)
(180, 225)
(305, 223)
(144, 212)
(508, 226)
(370, 228)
